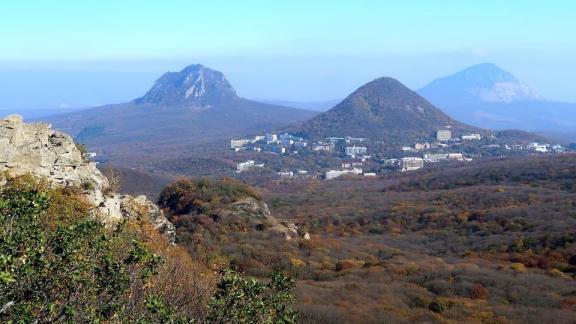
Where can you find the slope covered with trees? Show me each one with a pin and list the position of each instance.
(58, 263)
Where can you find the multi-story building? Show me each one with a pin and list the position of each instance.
(238, 143)
(411, 163)
(243, 166)
(332, 174)
(536, 147)
(456, 156)
(435, 157)
(443, 135)
(471, 137)
(322, 147)
(355, 150)
(422, 146)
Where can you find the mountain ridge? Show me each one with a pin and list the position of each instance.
(196, 105)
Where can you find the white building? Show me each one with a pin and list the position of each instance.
(243, 166)
(411, 163)
(471, 137)
(435, 157)
(239, 143)
(443, 135)
(422, 146)
(322, 147)
(456, 156)
(333, 174)
(536, 147)
(286, 174)
(355, 150)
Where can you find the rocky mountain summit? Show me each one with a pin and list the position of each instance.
(38, 150)
(196, 85)
(196, 106)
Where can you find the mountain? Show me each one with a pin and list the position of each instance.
(383, 110)
(194, 106)
(482, 82)
(195, 86)
(484, 95)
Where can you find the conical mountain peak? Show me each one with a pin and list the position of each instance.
(484, 82)
(384, 110)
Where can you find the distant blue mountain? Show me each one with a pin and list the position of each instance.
(309, 105)
(484, 95)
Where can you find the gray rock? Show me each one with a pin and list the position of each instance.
(38, 150)
(259, 213)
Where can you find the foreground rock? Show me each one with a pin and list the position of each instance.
(259, 215)
(38, 150)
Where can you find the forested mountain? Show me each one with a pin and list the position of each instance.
(384, 110)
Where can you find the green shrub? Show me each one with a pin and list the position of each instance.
(64, 267)
(436, 307)
(240, 300)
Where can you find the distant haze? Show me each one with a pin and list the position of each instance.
(62, 53)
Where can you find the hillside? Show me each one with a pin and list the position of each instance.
(490, 241)
(383, 110)
(186, 108)
(487, 96)
(75, 250)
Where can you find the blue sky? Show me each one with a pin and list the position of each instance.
(96, 52)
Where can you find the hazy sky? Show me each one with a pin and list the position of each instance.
(97, 52)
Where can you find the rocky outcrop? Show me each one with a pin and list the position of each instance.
(194, 86)
(258, 213)
(39, 150)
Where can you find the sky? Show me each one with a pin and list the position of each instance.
(86, 53)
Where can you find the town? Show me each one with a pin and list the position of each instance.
(354, 152)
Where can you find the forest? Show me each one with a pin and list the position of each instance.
(487, 241)
(492, 241)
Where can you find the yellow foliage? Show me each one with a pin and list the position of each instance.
(297, 262)
(518, 267)
(558, 274)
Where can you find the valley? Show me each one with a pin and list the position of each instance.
(467, 243)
